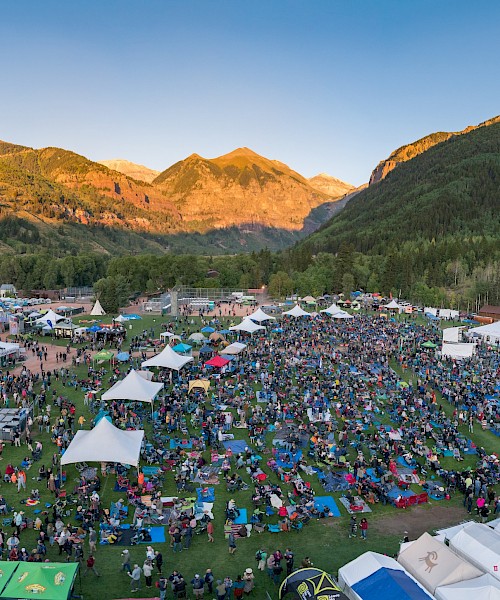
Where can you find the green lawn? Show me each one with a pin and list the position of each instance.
(326, 542)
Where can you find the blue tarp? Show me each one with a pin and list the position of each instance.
(389, 584)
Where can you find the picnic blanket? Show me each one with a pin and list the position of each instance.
(236, 446)
(358, 502)
(234, 527)
(242, 518)
(208, 496)
(208, 474)
(321, 501)
(180, 444)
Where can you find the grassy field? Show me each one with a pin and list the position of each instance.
(326, 542)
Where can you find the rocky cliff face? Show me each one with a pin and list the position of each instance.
(409, 151)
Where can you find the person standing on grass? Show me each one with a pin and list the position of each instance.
(177, 537)
(289, 561)
(158, 561)
(91, 566)
(210, 531)
(353, 527)
(135, 578)
(198, 586)
(147, 569)
(162, 587)
(126, 561)
(232, 543)
(364, 528)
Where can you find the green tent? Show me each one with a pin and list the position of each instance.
(50, 581)
(6, 570)
(429, 345)
(104, 355)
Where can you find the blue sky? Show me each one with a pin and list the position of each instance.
(324, 86)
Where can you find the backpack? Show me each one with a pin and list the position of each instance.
(258, 555)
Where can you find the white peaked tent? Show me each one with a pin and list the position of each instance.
(491, 331)
(458, 351)
(393, 305)
(98, 310)
(104, 443)
(485, 587)
(120, 319)
(259, 315)
(452, 334)
(51, 316)
(342, 314)
(433, 564)
(331, 310)
(234, 348)
(296, 311)
(166, 334)
(168, 359)
(134, 388)
(364, 566)
(480, 545)
(247, 325)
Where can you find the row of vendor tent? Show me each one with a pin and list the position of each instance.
(441, 313)
(49, 581)
(458, 351)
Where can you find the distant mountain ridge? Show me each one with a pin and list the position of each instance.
(54, 192)
(409, 151)
(139, 172)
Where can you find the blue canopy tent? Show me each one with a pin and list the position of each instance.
(389, 584)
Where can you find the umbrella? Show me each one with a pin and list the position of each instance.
(429, 344)
(197, 337)
(123, 356)
(207, 329)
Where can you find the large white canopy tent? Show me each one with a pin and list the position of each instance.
(259, 315)
(296, 311)
(8, 348)
(342, 314)
(104, 443)
(393, 305)
(234, 348)
(97, 309)
(480, 545)
(441, 566)
(489, 332)
(50, 318)
(485, 587)
(168, 359)
(248, 326)
(134, 388)
(331, 310)
(458, 351)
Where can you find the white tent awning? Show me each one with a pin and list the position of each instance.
(104, 443)
(134, 388)
(458, 351)
(248, 326)
(480, 545)
(168, 359)
(331, 310)
(297, 311)
(259, 315)
(234, 348)
(485, 587)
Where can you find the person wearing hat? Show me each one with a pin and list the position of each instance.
(198, 586)
(162, 586)
(147, 569)
(248, 578)
(209, 580)
(126, 561)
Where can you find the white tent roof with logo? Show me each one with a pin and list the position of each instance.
(234, 348)
(104, 443)
(97, 310)
(458, 350)
(433, 564)
(485, 587)
(331, 310)
(168, 359)
(247, 325)
(480, 545)
(491, 331)
(51, 316)
(259, 315)
(297, 311)
(134, 388)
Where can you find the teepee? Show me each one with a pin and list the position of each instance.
(98, 310)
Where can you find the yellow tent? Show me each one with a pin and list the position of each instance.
(203, 384)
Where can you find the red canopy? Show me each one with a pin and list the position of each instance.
(217, 361)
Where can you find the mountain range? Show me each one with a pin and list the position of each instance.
(240, 201)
